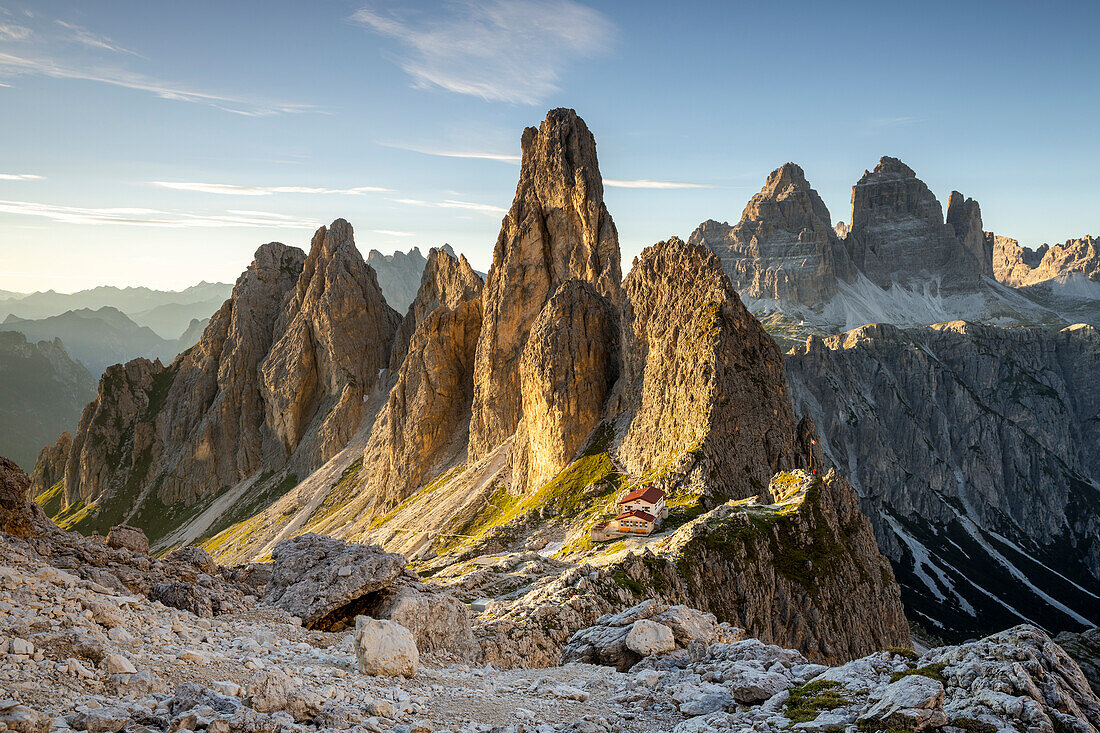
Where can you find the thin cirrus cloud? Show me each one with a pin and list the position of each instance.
(143, 217)
(649, 183)
(64, 50)
(468, 154)
(455, 204)
(228, 189)
(499, 50)
(83, 36)
(20, 177)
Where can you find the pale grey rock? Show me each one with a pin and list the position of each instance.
(385, 648)
(914, 702)
(648, 637)
(784, 247)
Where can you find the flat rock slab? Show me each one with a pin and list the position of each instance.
(316, 578)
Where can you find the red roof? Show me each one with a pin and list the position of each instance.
(637, 513)
(649, 494)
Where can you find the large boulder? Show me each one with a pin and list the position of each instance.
(385, 648)
(327, 582)
(131, 538)
(437, 620)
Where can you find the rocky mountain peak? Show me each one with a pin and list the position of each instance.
(784, 247)
(887, 169)
(898, 233)
(557, 229)
(336, 333)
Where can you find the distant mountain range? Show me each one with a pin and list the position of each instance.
(97, 338)
(168, 312)
(42, 391)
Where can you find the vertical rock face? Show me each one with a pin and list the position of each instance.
(50, 466)
(566, 371)
(336, 332)
(278, 378)
(213, 422)
(976, 452)
(425, 422)
(1020, 267)
(898, 232)
(701, 379)
(115, 436)
(557, 229)
(784, 246)
(447, 280)
(965, 217)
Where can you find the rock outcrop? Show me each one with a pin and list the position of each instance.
(1020, 266)
(277, 381)
(327, 582)
(567, 369)
(448, 281)
(213, 419)
(336, 332)
(898, 233)
(784, 247)
(974, 451)
(805, 573)
(17, 513)
(609, 641)
(557, 229)
(702, 382)
(424, 425)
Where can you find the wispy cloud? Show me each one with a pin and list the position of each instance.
(87, 38)
(228, 189)
(64, 50)
(455, 204)
(649, 183)
(503, 50)
(13, 32)
(20, 177)
(498, 157)
(153, 217)
(392, 233)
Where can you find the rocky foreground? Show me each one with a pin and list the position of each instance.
(79, 655)
(97, 636)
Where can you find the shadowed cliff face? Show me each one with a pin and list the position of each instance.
(557, 229)
(976, 454)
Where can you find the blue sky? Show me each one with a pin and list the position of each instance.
(160, 143)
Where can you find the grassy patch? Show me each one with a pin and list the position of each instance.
(52, 499)
(339, 494)
(932, 671)
(625, 581)
(902, 651)
(811, 699)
